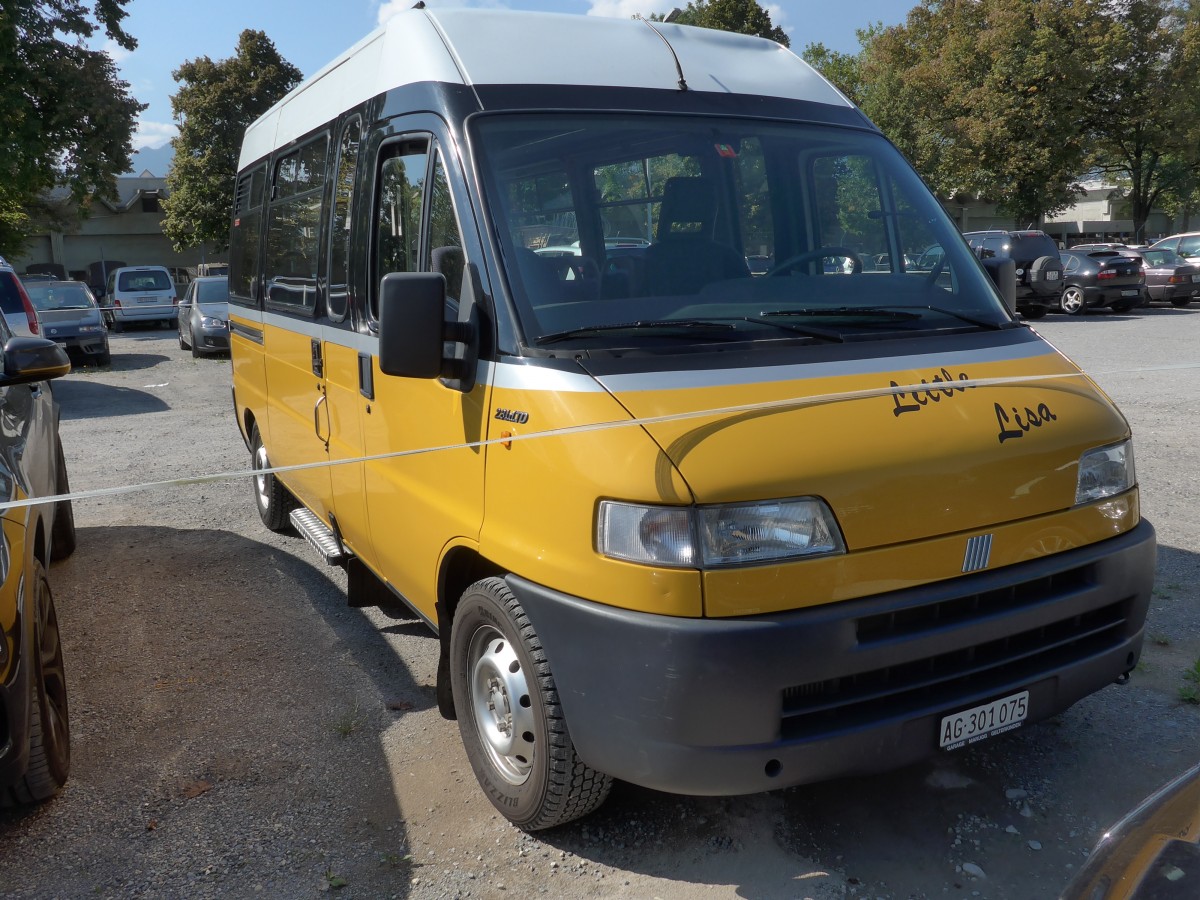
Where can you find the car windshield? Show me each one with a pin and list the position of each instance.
(48, 295)
(619, 228)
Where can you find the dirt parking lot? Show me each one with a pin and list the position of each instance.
(240, 732)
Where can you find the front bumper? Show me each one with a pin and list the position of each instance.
(735, 706)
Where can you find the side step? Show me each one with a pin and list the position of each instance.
(318, 534)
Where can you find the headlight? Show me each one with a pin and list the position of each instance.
(1105, 471)
(210, 322)
(714, 536)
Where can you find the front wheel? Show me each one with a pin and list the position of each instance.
(274, 501)
(49, 721)
(509, 716)
(1072, 301)
(1182, 301)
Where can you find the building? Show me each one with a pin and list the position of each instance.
(127, 231)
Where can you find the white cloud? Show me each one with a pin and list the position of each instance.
(153, 134)
(116, 52)
(625, 9)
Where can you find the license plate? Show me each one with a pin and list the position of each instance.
(147, 299)
(981, 722)
(1052, 276)
(1129, 293)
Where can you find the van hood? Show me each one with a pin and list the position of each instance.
(936, 437)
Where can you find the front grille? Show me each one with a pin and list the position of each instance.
(819, 708)
(914, 620)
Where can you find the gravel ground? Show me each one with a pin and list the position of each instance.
(239, 732)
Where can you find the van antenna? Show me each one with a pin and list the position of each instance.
(678, 68)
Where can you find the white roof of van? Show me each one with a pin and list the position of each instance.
(503, 47)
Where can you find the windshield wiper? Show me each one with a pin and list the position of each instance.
(692, 325)
(878, 312)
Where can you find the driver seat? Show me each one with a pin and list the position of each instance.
(686, 256)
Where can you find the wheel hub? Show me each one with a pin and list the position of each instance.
(501, 705)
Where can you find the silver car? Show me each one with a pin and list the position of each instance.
(69, 315)
(204, 316)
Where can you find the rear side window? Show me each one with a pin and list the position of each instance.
(10, 300)
(1189, 246)
(293, 227)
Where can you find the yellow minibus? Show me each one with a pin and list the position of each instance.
(498, 351)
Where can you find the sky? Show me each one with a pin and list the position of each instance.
(310, 33)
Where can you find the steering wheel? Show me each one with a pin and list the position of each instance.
(791, 262)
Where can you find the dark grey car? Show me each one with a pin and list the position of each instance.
(69, 315)
(1039, 269)
(35, 739)
(204, 316)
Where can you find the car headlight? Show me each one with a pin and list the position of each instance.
(210, 322)
(715, 536)
(1105, 471)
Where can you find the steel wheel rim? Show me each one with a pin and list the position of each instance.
(501, 704)
(260, 480)
(56, 729)
(1072, 300)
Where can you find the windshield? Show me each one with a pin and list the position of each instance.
(147, 280)
(215, 291)
(708, 229)
(47, 296)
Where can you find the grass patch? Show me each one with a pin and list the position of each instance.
(1189, 691)
(349, 723)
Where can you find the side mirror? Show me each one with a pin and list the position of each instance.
(28, 359)
(1004, 273)
(412, 324)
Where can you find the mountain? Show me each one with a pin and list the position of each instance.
(156, 159)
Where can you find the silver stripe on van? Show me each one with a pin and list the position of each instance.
(979, 553)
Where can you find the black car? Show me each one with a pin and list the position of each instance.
(1101, 278)
(204, 316)
(1039, 269)
(35, 747)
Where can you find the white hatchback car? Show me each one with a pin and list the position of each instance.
(140, 294)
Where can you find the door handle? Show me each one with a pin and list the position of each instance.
(324, 438)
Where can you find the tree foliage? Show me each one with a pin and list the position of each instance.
(740, 16)
(215, 103)
(66, 118)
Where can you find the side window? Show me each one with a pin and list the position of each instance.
(339, 232)
(293, 226)
(754, 210)
(244, 241)
(445, 240)
(398, 199)
(848, 201)
(994, 247)
(1070, 262)
(1189, 247)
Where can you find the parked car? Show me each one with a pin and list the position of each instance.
(1170, 278)
(1102, 278)
(69, 315)
(204, 316)
(1153, 853)
(35, 739)
(19, 314)
(141, 294)
(1039, 269)
(1186, 245)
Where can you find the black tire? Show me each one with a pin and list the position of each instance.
(1034, 312)
(49, 718)
(1182, 301)
(1123, 307)
(1072, 301)
(118, 327)
(502, 685)
(274, 501)
(195, 352)
(103, 358)
(183, 345)
(62, 535)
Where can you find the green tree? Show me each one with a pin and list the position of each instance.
(66, 118)
(215, 103)
(1145, 101)
(843, 70)
(740, 16)
(988, 98)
